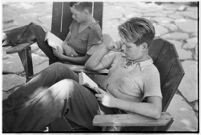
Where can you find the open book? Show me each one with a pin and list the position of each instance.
(88, 82)
(54, 41)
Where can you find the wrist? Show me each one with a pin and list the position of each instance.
(61, 57)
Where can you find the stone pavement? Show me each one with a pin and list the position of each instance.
(175, 22)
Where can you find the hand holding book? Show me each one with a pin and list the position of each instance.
(88, 82)
(54, 41)
(59, 45)
(104, 97)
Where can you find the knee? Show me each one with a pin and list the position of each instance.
(54, 68)
(34, 25)
(67, 85)
(57, 66)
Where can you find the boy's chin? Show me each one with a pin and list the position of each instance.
(128, 57)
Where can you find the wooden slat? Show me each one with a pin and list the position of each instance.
(172, 82)
(18, 48)
(98, 12)
(131, 120)
(61, 19)
(171, 71)
(155, 48)
(165, 60)
(67, 19)
(25, 56)
(56, 18)
(81, 68)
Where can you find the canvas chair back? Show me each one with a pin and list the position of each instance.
(166, 60)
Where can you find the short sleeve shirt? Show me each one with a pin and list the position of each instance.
(139, 80)
(82, 41)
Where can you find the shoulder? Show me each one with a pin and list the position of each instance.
(152, 69)
(151, 72)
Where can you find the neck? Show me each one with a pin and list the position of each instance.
(90, 19)
(145, 57)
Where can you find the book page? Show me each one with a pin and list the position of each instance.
(88, 82)
(54, 41)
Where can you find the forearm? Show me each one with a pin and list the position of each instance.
(77, 60)
(95, 59)
(143, 108)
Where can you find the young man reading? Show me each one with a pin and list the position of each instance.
(132, 76)
(84, 33)
(55, 92)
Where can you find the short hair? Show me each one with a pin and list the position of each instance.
(137, 30)
(81, 6)
(72, 4)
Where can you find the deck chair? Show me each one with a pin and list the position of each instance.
(61, 20)
(166, 60)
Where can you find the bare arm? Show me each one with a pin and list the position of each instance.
(94, 62)
(152, 108)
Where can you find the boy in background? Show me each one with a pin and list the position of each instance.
(84, 33)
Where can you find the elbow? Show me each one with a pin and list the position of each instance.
(90, 67)
(87, 66)
(156, 114)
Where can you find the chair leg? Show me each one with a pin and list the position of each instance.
(25, 56)
(111, 129)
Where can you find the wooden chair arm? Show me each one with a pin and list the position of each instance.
(126, 120)
(18, 48)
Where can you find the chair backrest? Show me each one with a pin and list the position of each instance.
(166, 60)
(62, 17)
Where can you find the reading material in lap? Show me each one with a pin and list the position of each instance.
(54, 41)
(88, 82)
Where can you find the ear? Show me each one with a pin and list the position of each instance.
(86, 12)
(144, 45)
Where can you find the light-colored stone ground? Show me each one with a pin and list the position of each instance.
(176, 23)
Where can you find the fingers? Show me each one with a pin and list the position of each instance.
(99, 97)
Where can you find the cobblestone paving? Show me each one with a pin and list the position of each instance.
(175, 22)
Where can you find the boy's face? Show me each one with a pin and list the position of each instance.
(133, 51)
(78, 15)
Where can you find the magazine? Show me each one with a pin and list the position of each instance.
(85, 80)
(54, 41)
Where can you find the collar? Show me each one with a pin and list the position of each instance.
(145, 63)
(141, 64)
